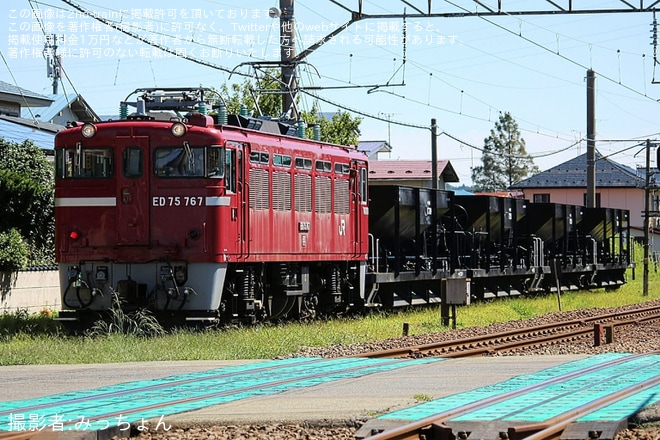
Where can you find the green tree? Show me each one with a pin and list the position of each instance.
(342, 129)
(504, 158)
(262, 98)
(27, 199)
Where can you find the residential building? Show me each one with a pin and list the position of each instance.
(62, 110)
(13, 127)
(415, 173)
(374, 149)
(617, 186)
(26, 115)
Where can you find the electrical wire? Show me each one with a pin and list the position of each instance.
(437, 77)
(556, 53)
(20, 90)
(88, 110)
(442, 133)
(144, 40)
(371, 116)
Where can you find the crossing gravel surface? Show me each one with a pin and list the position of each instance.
(641, 338)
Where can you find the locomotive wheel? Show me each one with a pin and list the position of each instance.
(308, 307)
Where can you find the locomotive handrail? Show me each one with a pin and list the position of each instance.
(375, 257)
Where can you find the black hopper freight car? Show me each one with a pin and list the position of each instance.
(420, 238)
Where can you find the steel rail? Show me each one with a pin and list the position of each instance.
(25, 435)
(411, 430)
(560, 422)
(509, 340)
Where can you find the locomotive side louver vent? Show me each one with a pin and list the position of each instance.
(323, 199)
(281, 191)
(303, 192)
(259, 189)
(341, 203)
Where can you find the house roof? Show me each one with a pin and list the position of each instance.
(18, 130)
(24, 97)
(76, 102)
(511, 194)
(573, 173)
(373, 147)
(410, 170)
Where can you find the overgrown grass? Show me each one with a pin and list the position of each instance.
(37, 340)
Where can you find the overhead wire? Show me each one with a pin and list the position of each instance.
(427, 127)
(400, 123)
(134, 35)
(556, 53)
(437, 77)
(644, 95)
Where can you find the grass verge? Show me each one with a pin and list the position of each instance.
(30, 340)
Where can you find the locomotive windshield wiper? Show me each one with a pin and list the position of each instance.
(189, 156)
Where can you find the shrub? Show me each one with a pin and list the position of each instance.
(21, 322)
(14, 251)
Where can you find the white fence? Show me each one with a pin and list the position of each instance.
(31, 290)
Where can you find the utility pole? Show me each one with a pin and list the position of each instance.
(434, 153)
(647, 190)
(287, 57)
(591, 139)
(53, 61)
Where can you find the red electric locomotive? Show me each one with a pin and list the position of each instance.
(197, 220)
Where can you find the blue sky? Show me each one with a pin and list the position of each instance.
(460, 71)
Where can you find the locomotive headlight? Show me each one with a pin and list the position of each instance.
(88, 130)
(178, 129)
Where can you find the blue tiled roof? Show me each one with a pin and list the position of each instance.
(373, 147)
(573, 173)
(60, 102)
(18, 130)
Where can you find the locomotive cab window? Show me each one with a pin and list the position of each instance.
(233, 165)
(84, 163)
(188, 161)
(230, 170)
(216, 163)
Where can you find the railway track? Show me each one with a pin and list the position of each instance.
(115, 409)
(219, 386)
(564, 404)
(601, 328)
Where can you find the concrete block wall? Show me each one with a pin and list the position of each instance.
(31, 290)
